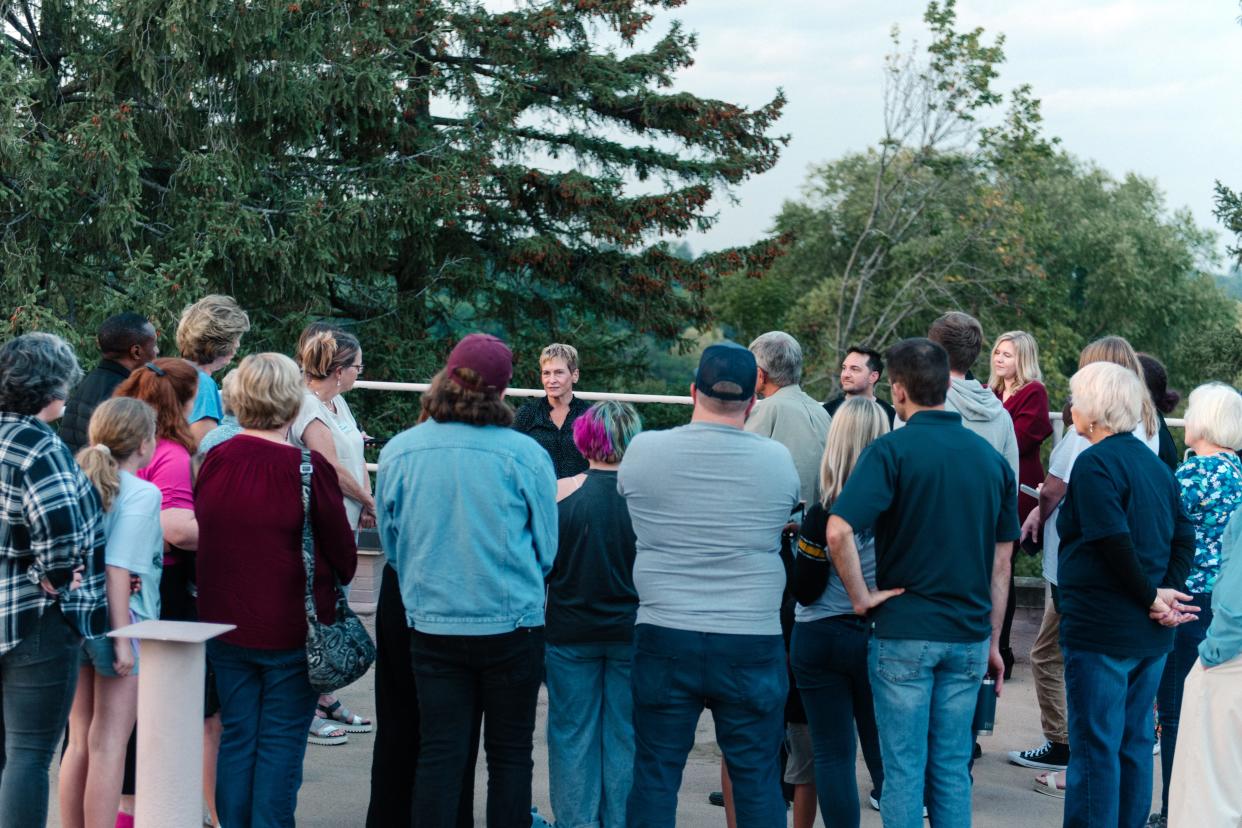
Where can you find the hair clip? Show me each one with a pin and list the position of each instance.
(155, 369)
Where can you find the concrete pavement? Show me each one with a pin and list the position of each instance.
(336, 787)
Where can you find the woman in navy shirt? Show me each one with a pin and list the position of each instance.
(1126, 546)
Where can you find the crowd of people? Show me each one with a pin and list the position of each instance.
(821, 576)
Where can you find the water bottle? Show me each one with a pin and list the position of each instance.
(985, 708)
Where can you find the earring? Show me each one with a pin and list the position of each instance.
(1091, 429)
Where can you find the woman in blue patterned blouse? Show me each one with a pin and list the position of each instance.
(1211, 490)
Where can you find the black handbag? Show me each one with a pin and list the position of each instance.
(339, 653)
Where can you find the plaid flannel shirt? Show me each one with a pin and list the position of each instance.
(50, 524)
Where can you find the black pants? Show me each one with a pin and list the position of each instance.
(395, 757)
(455, 675)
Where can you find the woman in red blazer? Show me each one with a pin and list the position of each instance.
(1016, 381)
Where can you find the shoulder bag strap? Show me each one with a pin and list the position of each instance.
(308, 536)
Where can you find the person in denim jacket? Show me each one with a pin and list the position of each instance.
(467, 516)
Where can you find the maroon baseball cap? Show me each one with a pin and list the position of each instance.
(487, 356)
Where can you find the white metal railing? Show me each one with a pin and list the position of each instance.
(1058, 427)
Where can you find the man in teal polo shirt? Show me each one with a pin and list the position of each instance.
(940, 501)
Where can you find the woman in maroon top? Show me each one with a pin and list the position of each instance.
(249, 507)
(1016, 381)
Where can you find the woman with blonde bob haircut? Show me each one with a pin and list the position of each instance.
(208, 335)
(1126, 548)
(828, 651)
(251, 575)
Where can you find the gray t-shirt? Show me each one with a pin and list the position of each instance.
(835, 600)
(708, 503)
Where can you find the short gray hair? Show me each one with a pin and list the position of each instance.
(1215, 414)
(1109, 395)
(780, 357)
(36, 368)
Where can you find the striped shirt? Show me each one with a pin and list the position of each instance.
(50, 524)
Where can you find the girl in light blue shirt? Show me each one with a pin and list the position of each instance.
(105, 706)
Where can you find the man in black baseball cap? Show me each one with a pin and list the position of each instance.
(708, 502)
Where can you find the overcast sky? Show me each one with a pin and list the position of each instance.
(1150, 86)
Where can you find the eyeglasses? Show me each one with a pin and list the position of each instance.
(359, 368)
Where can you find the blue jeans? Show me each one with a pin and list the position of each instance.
(590, 733)
(742, 679)
(1185, 653)
(925, 695)
(37, 680)
(829, 659)
(1109, 700)
(265, 702)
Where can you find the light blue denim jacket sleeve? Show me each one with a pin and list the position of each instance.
(468, 519)
(1224, 637)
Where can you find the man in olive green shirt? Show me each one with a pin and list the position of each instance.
(785, 412)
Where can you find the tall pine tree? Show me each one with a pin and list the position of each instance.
(418, 167)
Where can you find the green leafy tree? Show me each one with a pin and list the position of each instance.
(957, 208)
(416, 169)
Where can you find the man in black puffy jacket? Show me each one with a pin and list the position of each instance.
(126, 341)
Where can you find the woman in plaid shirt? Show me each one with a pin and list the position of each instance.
(51, 569)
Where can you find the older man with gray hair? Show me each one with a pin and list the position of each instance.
(793, 418)
(785, 412)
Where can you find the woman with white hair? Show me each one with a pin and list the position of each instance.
(1126, 548)
(1211, 489)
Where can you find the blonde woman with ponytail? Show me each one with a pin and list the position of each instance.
(828, 651)
(121, 441)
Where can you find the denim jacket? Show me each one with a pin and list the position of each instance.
(467, 517)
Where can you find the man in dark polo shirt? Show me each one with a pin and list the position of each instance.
(940, 501)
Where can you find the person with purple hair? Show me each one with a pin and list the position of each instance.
(589, 629)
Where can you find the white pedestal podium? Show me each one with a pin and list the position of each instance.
(171, 675)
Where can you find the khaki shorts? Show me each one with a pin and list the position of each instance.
(800, 769)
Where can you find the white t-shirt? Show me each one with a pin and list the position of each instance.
(135, 541)
(1060, 463)
(346, 437)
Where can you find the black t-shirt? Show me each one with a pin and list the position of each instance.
(832, 405)
(939, 499)
(535, 419)
(591, 595)
(1119, 487)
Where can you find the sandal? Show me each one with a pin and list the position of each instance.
(1046, 784)
(326, 732)
(345, 717)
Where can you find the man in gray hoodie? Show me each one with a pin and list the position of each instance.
(961, 335)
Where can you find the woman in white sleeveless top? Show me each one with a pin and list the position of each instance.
(331, 361)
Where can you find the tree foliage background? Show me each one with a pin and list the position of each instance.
(417, 169)
(965, 204)
(414, 168)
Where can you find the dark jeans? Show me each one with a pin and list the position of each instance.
(1108, 784)
(742, 679)
(829, 659)
(395, 756)
(1172, 680)
(455, 676)
(37, 680)
(265, 702)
